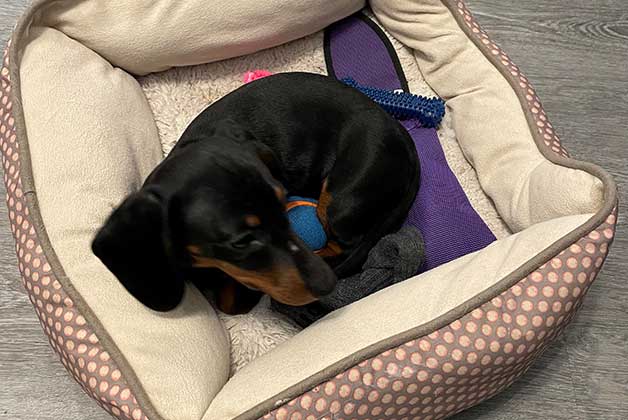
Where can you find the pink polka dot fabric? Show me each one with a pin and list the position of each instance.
(469, 360)
(69, 333)
(429, 377)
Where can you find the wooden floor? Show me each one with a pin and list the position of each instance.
(576, 53)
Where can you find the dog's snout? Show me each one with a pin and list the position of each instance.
(324, 283)
(318, 277)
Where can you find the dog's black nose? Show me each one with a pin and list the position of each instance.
(324, 282)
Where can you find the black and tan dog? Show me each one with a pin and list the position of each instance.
(214, 209)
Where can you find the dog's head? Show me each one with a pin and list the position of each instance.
(223, 212)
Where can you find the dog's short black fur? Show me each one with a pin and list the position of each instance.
(218, 200)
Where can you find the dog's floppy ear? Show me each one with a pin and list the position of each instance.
(132, 246)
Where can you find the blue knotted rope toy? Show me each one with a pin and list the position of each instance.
(404, 105)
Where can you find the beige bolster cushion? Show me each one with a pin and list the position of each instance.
(144, 37)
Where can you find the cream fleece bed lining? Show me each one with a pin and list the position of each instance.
(117, 143)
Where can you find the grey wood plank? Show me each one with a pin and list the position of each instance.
(9, 12)
(576, 54)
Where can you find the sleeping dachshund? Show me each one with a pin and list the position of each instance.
(214, 209)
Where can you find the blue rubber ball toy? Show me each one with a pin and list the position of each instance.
(305, 223)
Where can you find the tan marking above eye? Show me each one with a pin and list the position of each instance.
(252, 220)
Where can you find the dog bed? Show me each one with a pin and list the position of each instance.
(93, 93)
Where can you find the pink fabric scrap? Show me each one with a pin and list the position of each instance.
(249, 76)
